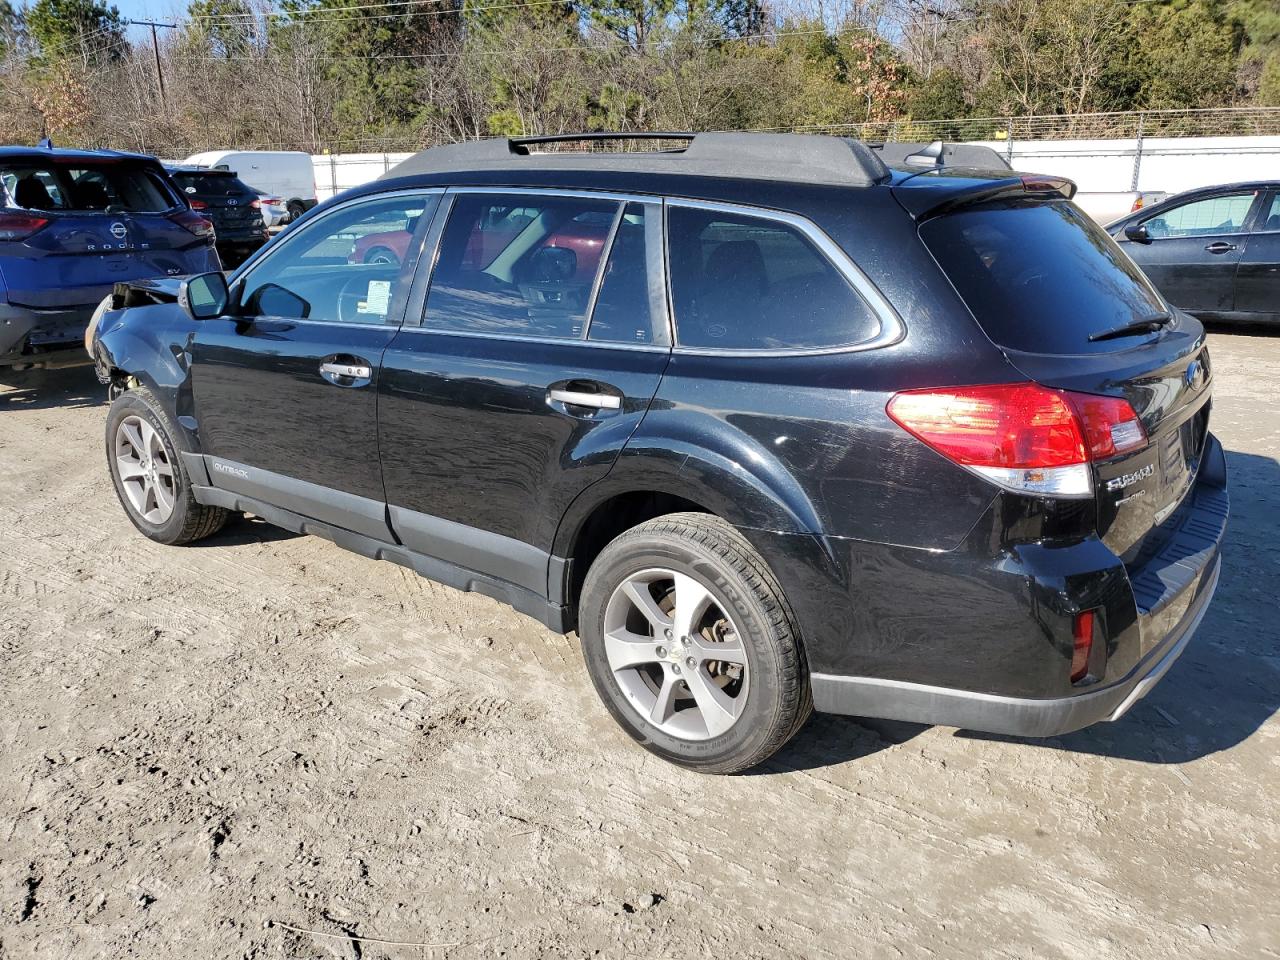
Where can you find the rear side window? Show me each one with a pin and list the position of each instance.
(1203, 218)
(741, 282)
(117, 187)
(519, 265)
(1040, 277)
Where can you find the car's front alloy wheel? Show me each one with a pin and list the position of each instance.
(143, 450)
(144, 469)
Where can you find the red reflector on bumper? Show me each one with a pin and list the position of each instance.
(1082, 635)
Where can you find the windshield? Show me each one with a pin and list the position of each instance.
(1041, 277)
(109, 186)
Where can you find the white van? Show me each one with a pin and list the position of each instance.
(287, 175)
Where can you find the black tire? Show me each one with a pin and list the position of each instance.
(778, 701)
(382, 255)
(296, 210)
(189, 520)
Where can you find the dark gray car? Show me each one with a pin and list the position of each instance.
(1214, 252)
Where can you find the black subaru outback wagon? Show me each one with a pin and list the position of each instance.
(772, 426)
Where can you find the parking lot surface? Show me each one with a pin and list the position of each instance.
(263, 746)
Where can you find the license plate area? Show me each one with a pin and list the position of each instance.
(1179, 457)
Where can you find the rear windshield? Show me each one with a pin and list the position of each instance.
(114, 187)
(1041, 277)
(212, 185)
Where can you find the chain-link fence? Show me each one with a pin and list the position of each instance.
(1225, 122)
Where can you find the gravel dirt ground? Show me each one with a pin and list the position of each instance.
(263, 746)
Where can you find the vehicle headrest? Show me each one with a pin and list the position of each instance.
(31, 193)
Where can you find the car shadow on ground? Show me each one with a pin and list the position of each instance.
(42, 389)
(828, 740)
(243, 530)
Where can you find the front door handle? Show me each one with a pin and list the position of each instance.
(580, 398)
(1220, 246)
(346, 371)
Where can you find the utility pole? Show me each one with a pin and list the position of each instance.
(155, 48)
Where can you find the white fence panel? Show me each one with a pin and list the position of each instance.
(336, 172)
(1171, 164)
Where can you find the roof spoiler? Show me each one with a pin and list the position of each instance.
(931, 196)
(938, 154)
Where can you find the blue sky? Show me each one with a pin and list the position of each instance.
(162, 11)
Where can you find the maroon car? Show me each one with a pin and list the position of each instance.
(584, 235)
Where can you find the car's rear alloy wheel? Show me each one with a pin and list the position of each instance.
(146, 475)
(691, 644)
(676, 654)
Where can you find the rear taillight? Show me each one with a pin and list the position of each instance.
(1081, 645)
(1110, 425)
(199, 205)
(1022, 436)
(256, 204)
(194, 223)
(1137, 205)
(19, 226)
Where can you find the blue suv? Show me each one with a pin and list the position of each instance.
(72, 224)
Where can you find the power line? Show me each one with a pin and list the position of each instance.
(306, 20)
(155, 48)
(617, 45)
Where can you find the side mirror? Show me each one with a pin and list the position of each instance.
(1137, 232)
(204, 296)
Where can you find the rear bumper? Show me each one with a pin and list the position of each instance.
(31, 336)
(982, 639)
(1018, 716)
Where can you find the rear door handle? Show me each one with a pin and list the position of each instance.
(1221, 246)
(578, 398)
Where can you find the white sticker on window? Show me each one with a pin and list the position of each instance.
(378, 298)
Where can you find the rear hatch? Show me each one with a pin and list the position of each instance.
(1071, 311)
(229, 202)
(85, 224)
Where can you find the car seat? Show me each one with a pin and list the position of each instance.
(733, 288)
(31, 194)
(91, 195)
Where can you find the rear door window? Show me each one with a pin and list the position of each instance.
(1040, 277)
(631, 306)
(742, 282)
(519, 265)
(1212, 217)
(1269, 222)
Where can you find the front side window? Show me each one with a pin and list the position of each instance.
(1203, 218)
(519, 265)
(346, 267)
(741, 282)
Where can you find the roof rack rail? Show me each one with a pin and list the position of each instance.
(919, 156)
(598, 137)
(789, 157)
